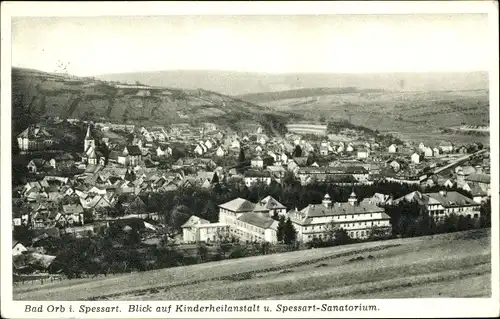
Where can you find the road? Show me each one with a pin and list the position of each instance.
(452, 164)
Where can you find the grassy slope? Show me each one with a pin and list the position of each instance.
(34, 93)
(416, 267)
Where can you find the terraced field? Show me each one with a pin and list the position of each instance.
(434, 266)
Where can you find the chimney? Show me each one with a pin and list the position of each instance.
(443, 193)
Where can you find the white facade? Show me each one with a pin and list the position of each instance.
(358, 220)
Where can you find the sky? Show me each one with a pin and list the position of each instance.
(269, 44)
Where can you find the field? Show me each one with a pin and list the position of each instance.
(448, 265)
(415, 116)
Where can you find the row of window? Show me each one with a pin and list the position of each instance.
(321, 227)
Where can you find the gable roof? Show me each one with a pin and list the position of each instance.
(258, 220)
(238, 205)
(269, 202)
(73, 209)
(133, 150)
(480, 178)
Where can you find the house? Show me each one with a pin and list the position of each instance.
(248, 221)
(442, 204)
(392, 148)
(395, 166)
(277, 172)
(262, 139)
(446, 147)
(162, 151)
(258, 149)
(349, 148)
(197, 229)
(130, 156)
(235, 144)
(379, 199)
(220, 152)
(416, 158)
(483, 181)
(363, 153)
(34, 138)
(257, 162)
(36, 165)
(358, 219)
(435, 151)
(73, 213)
(427, 151)
(198, 150)
(18, 248)
(253, 177)
(209, 144)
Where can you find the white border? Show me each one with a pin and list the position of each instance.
(389, 308)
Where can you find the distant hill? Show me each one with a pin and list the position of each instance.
(37, 94)
(265, 97)
(240, 83)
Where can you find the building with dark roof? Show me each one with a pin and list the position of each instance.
(317, 221)
(443, 203)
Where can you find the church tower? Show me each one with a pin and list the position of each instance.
(89, 141)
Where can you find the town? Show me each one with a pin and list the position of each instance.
(160, 196)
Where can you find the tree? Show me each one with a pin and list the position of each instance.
(215, 179)
(485, 210)
(280, 232)
(179, 216)
(330, 230)
(241, 157)
(341, 237)
(290, 234)
(297, 152)
(202, 252)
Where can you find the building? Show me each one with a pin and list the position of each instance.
(197, 229)
(130, 156)
(357, 219)
(442, 204)
(248, 221)
(446, 147)
(18, 248)
(253, 177)
(274, 207)
(34, 138)
(416, 158)
(257, 162)
(363, 153)
(90, 154)
(393, 148)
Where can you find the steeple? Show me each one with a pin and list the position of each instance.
(88, 136)
(89, 142)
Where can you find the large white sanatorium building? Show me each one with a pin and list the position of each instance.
(239, 218)
(358, 219)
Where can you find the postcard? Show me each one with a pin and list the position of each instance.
(249, 159)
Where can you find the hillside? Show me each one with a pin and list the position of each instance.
(240, 83)
(446, 265)
(38, 94)
(413, 115)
